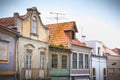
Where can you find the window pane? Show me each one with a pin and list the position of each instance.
(86, 61)
(4, 50)
(54, 61)
(42, 62)
(74, 61)
(34, 25)
(80, 61)
(64, 61)
(28, 58)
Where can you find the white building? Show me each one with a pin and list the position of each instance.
(98, 60)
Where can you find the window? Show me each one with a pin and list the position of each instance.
(34, 25)
(73, 35)
(42, 60)
(104, 74)
(94, 74)
(74, 63)
(4, 51)
(86, 61)
(28, 58)
(98, 50)
(80, 61)
(64, 61)
(54, 60)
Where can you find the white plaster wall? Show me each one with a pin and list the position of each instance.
(99, 64)
(36, 54)
(95, 45)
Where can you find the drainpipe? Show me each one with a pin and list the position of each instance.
(90, 67)
(69, 64)
(99, 67)
(17, 55)
(107, 67)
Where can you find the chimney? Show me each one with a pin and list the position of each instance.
(83, 38)
(16, 14)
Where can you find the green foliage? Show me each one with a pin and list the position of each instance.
(58, 46)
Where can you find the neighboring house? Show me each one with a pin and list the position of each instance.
(65, 34)
(8, 40)
(116, 50)
(113, 64)
(98, 60)
(32, 53)
(59, 62)
(113, 67)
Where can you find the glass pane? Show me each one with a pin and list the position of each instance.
(42, 61)
(3, 50)
(28, 61)
(86, 61)
(74, 60)
(34, 25)
(80, 61)
(54, 61)
(64, 61)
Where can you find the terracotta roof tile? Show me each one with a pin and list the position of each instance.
(7, 21)
(6, 27)
(116, 50)
(58, 35)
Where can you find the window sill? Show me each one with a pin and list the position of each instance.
(3, 62)
(34, 34)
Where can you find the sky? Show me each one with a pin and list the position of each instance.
(96, 19)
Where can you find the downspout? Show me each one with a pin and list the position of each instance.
(15, 77)
(90, 66)
(107, 66)
(99, 67)
(17, 55)
(70, 64)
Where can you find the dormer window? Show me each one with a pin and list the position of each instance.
(73, 35)
(34, 25)
(98, 50)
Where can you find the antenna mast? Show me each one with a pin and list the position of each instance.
(57, 15)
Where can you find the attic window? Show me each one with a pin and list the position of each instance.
(34, 25)
(73, 35)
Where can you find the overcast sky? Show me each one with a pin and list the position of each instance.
(99, 19)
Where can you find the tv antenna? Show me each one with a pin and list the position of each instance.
(57, 17)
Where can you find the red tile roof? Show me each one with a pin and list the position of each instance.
(7, 21)
(9, 29)
(58, 35)
(116, 50)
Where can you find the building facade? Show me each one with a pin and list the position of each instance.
(65, 34)
(8, 40)
(80, 63)
(113, 63)
(59, 62)
(98, 60)
(113, 67)
(32, 50)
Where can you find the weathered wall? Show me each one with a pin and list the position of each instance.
(59, 73)
(35, 57)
